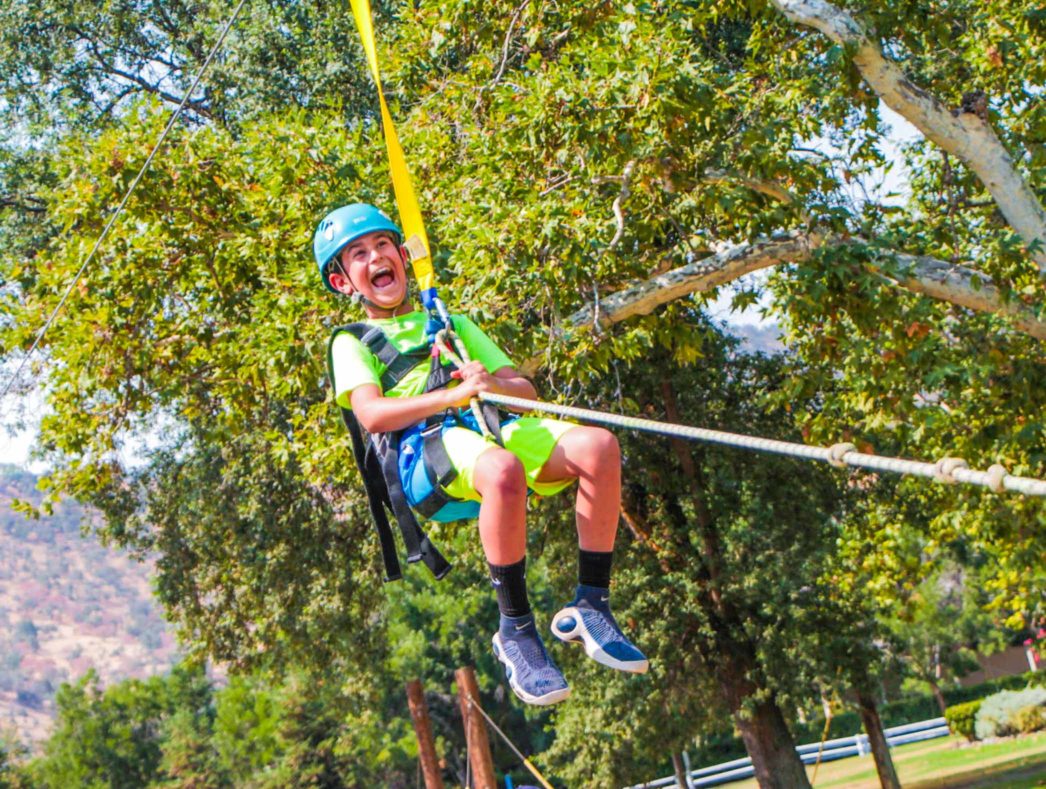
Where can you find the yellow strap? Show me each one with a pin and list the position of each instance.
(416, 240)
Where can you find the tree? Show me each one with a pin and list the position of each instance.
(939, 626)
(190, 760)
(11, 752)
(567, 156)
(114, 737)
(82, 64)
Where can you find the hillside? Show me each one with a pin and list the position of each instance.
(67, 604)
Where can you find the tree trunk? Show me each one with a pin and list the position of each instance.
(939, 696)
(419, 714)
(873, 727)
(762, 725)
(766, 737)
(677, 768)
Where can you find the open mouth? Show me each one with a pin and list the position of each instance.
(382, 278)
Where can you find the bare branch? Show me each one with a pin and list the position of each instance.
(964, 133)
(964, 287)
(643, 297)
(764, 187)
(505, 45)
(504, 55)
(922, 274)
(109, 69)
(619, 214)
(33, 205)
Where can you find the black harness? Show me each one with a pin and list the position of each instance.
(377, 456)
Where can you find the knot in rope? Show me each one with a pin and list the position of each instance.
(836, 453)
(945, 468)
(994, 477)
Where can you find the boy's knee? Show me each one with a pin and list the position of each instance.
(600, 446)
(499, 472)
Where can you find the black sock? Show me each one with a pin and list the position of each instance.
(593, 568)
(510, 583)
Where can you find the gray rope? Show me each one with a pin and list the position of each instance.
(119, 208)
(948, 470)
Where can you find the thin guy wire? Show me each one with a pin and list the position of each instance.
(1025, 485)
(529, 765)
(126, 197)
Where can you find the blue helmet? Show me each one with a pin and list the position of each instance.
(343, 226)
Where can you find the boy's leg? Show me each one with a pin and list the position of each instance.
(499, 478)
(592, 455)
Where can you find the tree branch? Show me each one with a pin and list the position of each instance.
(761, 185)
(33, 205)
(921, 274)
(965, 287)
(619, 215)
(964, 133)
(644, 296)
(113, 72)
(504, 55)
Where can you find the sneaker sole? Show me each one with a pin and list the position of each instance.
(552, 697)
(578, 634)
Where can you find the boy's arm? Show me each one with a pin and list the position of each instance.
(380, 414)
(513, 383)
(505, 380)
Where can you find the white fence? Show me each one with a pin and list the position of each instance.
(840, 748)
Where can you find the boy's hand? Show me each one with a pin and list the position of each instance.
(474, 380)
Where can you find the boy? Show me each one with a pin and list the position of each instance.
(359, 253)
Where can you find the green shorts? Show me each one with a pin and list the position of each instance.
(531, 439)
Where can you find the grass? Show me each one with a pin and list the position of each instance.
(945, 763)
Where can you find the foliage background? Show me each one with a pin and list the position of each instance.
(202, 326)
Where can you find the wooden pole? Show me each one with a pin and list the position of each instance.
(475, 730)
(419, 713)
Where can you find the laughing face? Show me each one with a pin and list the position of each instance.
(372, 266)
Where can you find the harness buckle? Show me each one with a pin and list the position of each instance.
(429, 430)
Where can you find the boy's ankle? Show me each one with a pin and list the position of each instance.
(517, 626)
(594, 596)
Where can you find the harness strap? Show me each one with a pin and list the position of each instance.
(397, 363)
(438, 469)
(377, 459)
(419, 547)
(377, 498)
(492, 417)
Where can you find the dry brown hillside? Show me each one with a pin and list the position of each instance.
(66, 605)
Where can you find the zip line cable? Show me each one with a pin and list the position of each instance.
(948, 470)
(127, 196)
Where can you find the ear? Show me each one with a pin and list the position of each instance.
(340, 283)
(404, 256)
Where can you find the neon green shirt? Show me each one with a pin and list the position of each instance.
(353, 365)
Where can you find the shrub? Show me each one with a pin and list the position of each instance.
(1030, 719)
(996, 717)
(962, 717)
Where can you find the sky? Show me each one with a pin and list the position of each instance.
(16, 443)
